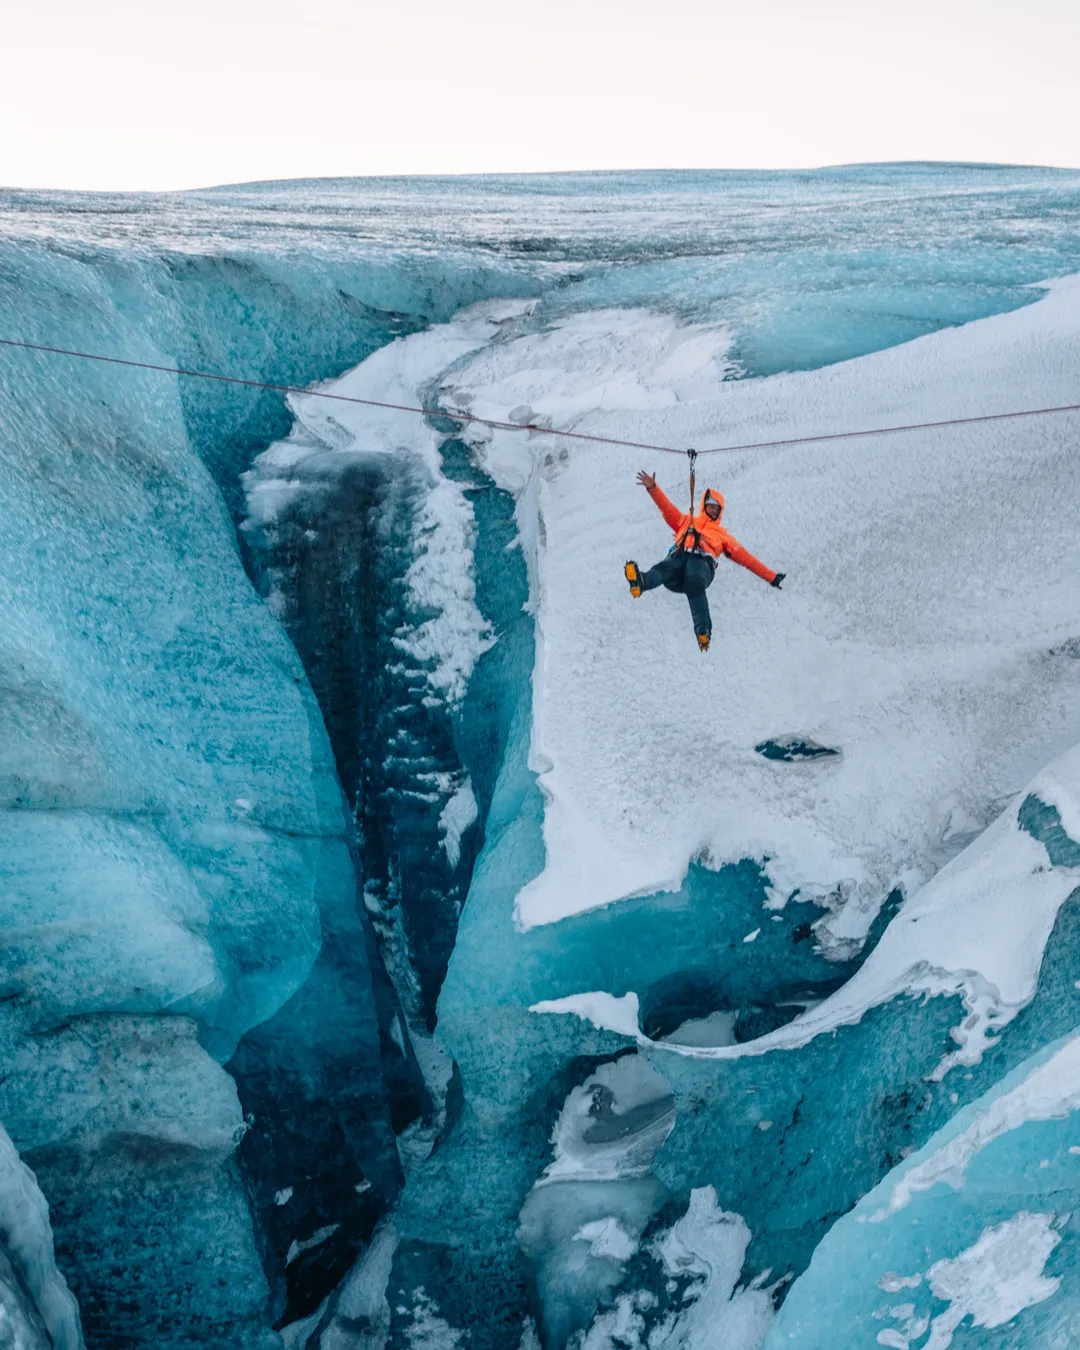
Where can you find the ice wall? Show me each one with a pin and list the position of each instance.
(177, 860)
(164, 866)
(36, 1306)
(362, 534)
(973, 1234)
(177, 843)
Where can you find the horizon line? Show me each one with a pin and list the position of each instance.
(236, 185)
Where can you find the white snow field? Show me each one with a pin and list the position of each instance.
(927, 628)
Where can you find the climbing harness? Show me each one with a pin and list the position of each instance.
(467, 419)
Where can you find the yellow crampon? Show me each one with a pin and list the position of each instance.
(703, 642)
(633, 576)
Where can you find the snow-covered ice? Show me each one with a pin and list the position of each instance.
(996, 1278)
(922, 629)
(974, 1221)
(326, 434)
(977, 928)
(611, 1126)
(1050, 1091)
(918, 635)
(710, 1245)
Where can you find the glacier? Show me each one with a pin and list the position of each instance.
(409, 940)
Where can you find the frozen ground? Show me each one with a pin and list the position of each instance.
(806, 267)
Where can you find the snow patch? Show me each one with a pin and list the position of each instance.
(995, 1279)
(450, 639)
(608, 1238)
(604, 1011)
(316, 1240)
(877, 650)
(710, 1245)
(611, 1127)
(457, 815)
(429, 1331)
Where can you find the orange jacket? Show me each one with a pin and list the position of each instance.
(711, 535)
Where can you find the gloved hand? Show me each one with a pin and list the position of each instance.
(778, 579)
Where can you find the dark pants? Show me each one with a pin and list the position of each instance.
(688, 574)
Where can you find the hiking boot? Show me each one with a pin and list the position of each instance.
(703, 642)
(633, 576)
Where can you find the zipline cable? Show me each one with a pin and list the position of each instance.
(453, 415)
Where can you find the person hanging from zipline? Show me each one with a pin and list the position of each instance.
(700, 540)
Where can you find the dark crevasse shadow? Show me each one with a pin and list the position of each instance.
(335, 570)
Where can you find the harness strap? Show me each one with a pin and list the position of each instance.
(691, 548)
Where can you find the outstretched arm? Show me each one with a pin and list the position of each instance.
(745, 558)
(671, 513)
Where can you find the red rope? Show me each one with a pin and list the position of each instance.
(469, 419)
(452, 416)
(889, 431)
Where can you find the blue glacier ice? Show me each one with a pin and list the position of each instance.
(975, 1230)
(404, 945)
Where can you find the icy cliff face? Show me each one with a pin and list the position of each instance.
(881, 657)
(433, 855)
(979, 1224)
(173, 833)
(177, 860)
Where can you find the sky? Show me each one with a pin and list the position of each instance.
(132, 94)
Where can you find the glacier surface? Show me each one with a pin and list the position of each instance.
(409, 940)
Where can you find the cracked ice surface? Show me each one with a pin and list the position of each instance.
(938, 666)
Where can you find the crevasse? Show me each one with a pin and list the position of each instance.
(287, 930)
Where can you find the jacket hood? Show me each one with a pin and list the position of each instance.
(711, 494)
